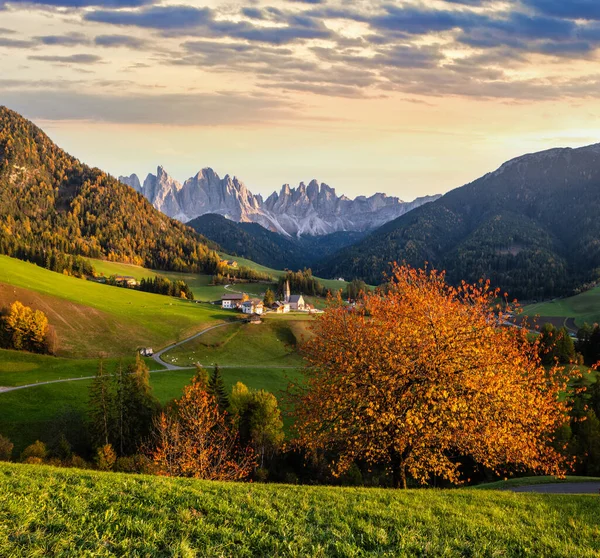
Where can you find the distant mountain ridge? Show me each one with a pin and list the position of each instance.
(251, 241)
(531, 227)
(312, 210)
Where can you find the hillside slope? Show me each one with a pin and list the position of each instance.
(531, 227)
(51, 511)
(252, 241)
(91, 318)
(52, 204)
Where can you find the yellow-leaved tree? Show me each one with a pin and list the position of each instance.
(423, 375)
(25, 329)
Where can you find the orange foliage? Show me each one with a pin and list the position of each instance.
(195, 440)
(425, 374)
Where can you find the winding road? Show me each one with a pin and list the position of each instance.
(156, 357)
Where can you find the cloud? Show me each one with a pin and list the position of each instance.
(120, 41)
(84, 3)
(72, 59)
(74, 39)
(174, 109)
(7, 42)
(570, 9)
(155, 17)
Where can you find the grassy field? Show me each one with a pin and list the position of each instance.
(27, 414)
(60, 512)
(530, 481)
(271, 343)
(584, 307)
(91, 318)
(19, 368)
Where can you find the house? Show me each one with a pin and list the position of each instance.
(280, 307)
(146, 352)
(297, 302)
(232, 300)
(229, 263)
(126, 280)
(253, 306)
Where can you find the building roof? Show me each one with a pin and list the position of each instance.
(296, 298)
(232, 296)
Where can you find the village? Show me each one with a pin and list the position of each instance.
(255, 307)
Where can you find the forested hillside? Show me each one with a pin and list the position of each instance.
(52, 204)
(252, 241)
(531, 227)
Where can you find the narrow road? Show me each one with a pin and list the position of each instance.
(156, 357)
(561, 488)
(168, 366)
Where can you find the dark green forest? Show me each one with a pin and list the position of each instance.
(531, 227)
(254, 242)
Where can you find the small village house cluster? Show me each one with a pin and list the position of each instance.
(255, 306)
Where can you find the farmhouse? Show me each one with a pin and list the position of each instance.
(126, 280)
(280, 307)
(253, 306)
(232, 300)
(229, 263)
(297, 302)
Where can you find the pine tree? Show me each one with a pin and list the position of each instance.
(216, 388)
(101, 406)
(269, 298)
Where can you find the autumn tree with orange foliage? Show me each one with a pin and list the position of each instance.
(424, 374)
(193, 439)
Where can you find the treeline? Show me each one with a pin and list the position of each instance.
(301, 282)
(25, 329)
(54, 260)
(53, 204)
(226, 275)
(164, 286)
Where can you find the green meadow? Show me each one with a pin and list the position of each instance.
(28, 414)
(69, 512)
(271, 343)
(91, 318)
(584, 307)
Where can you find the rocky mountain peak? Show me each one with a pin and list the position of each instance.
(312, 209)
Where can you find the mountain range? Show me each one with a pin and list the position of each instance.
(531, 227)
(313, 209)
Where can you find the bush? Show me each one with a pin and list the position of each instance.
(6, 448)
(105, 457)
(35, 453)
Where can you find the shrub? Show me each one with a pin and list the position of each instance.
(105, 457)
(6, 448)
(35, 453)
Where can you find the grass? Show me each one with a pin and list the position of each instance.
(584, 307)
(19, 368)
(28, 414)
(91, 318)
(61, 512)
(532, 481)
(271, 343)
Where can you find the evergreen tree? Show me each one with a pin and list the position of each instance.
(216, 388)
(101, 406)
(269, 298)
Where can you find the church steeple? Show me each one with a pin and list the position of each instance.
(286, 291)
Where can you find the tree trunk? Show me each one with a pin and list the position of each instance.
(397, 463)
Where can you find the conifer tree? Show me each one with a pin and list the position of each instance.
(216, 388)
(101, 406)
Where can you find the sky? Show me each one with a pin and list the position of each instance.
(406, 97)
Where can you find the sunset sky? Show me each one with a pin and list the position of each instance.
(405, 97)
